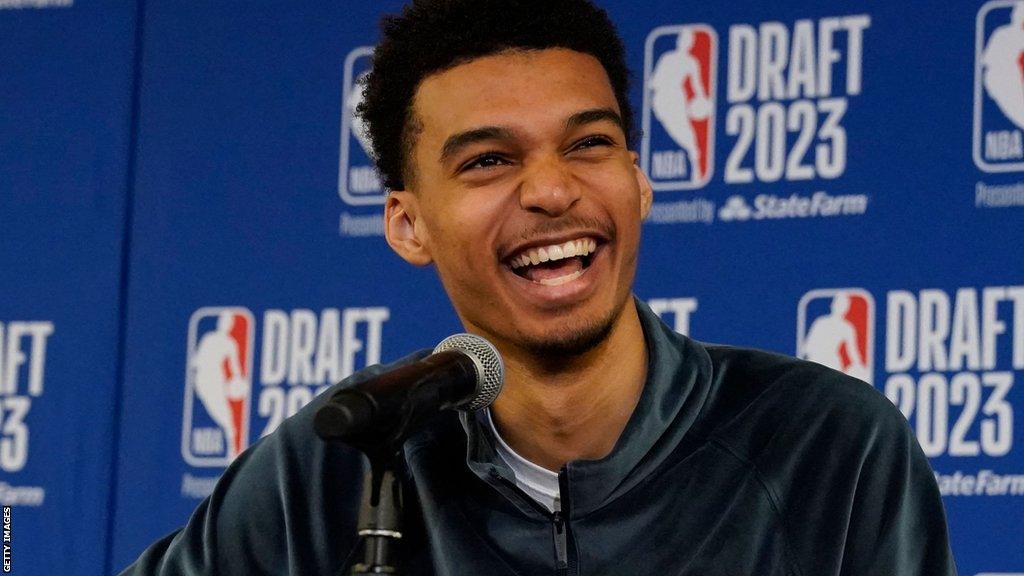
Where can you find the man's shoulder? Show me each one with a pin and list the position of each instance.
(741, 388)
(835, 458)
(289, 487)
(773, 377)
(758, 397)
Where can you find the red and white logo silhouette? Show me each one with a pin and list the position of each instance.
(679, 93)
(358, 183)
(836, 328)
(1002, 63)
(999, 87)
(218, 386)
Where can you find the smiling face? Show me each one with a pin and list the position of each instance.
(524, 195)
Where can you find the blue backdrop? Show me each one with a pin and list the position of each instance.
(840, 181)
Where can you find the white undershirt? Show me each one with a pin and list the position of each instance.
(538, 482)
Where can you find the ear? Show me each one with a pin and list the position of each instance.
(403, 228)
(646, 190)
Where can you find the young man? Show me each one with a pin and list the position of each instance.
(617, 446)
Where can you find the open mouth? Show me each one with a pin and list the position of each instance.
(554, 264)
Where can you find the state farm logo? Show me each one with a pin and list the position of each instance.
(358, 182)
(735, 208)
(218, 386)
(836, 328)
(680, 64)
(999, 87)
(773, 207)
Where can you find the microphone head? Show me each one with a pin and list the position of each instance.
(490, 370)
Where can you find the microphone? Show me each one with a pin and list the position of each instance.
(464, 372)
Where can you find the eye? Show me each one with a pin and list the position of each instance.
(484, 161)
(592, 142)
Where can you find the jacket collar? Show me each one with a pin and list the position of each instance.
(677, 385)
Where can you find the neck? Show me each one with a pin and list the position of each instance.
(578, 410)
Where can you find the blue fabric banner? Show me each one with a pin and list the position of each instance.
(840, 181)
(66, 86)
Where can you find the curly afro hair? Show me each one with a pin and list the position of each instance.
(431, 36)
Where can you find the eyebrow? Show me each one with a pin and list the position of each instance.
(456, 142)
(593, 115)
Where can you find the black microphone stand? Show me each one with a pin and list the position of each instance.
(380, 515)
(378, 415)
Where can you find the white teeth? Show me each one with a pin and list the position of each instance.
(562, 279)
(570, 249)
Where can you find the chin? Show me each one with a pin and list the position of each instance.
(571, 340)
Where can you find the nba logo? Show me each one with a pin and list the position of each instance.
(218, 386)
(678, 145)
(358, 182)
(836, 328)
(999, 87)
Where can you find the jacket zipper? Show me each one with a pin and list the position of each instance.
(559, 525)
(566, 554)
(561, 545)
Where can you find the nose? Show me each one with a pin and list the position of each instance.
(548, 187)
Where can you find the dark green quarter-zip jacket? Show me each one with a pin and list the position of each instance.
(735, 462)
